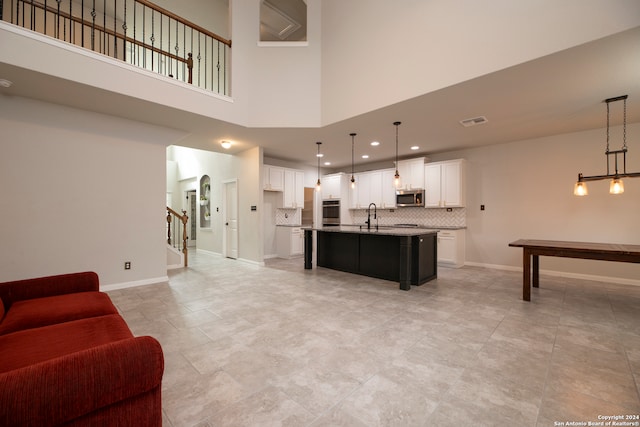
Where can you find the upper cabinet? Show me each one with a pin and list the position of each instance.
(331, 186)
(444, 184)
(374, 187)
(273, 178)
(293, 196)
(411, 173)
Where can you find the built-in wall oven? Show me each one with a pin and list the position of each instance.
(330, 212)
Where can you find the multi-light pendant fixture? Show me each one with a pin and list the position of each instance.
(616, 185)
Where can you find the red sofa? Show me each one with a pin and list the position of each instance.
(68, 358)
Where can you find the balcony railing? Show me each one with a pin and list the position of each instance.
(135, 31)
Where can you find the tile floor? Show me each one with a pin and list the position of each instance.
(279, 345)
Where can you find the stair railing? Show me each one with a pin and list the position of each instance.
(135, 31)
(175, 219)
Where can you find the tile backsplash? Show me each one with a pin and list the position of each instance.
(288, 217)
(419, 216)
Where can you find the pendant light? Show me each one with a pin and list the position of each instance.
(396, 177)
(353, 179)
(318, 187)
(616, 185)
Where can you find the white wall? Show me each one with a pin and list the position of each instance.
(379, 52)
(527, 190)
(81, 191)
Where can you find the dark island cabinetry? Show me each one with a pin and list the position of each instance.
(405, 257)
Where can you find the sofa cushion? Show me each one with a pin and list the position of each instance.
(34, 313)
(1, 310)
(23, 348)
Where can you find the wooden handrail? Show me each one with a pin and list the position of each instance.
(183, 218)
(184, 21)
(109, 31)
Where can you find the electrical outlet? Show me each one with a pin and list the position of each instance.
(127, 265)
(481, 207)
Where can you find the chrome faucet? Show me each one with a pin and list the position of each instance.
(375, 215)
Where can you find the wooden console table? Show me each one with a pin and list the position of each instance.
(532, 249)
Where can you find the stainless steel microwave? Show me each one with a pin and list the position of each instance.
(406, 198)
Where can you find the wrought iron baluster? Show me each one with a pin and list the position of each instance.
(199, 57)
(104, 27)
(224, 71)
(32, 17)
(153, 39)
(218, 67)
(160, 65)
(93, 26)
(184, 52)
(71, 24)
(205, 62)
(177, 52)
(169, 50)
(124, 28)
(57, 19)
(144, 36)
(115, 29)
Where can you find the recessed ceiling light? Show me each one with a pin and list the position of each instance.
(5, 83)
(327, 163)
(375, 143)
(365, 156)
(415, 147)
(226, 144)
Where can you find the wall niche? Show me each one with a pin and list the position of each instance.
(205, 201)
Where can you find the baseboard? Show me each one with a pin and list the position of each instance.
(124, 285)
(204, 251)
(248, 261)
(607, 279)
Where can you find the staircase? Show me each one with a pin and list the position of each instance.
(176, 237)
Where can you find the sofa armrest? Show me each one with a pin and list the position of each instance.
(41, 287)
(68, 387)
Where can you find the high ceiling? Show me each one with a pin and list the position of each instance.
(559, 93)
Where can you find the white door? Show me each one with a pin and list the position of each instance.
(231, 219)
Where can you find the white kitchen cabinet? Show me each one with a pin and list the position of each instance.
(273, 178)
(451, 248)
(388, 196)
(411, 173)
(293, 196)
(331, 186)
(289, 241)
(361, 195)
(444, 184)
(372, 188)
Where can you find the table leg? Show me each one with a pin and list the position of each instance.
(526, 275)
(536, 272)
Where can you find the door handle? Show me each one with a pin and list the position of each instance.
(226, 223)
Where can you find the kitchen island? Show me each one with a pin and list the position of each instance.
(404, 255)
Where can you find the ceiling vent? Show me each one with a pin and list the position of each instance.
(474, 121)
(277, 23)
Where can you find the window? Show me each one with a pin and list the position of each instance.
(283, 20)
